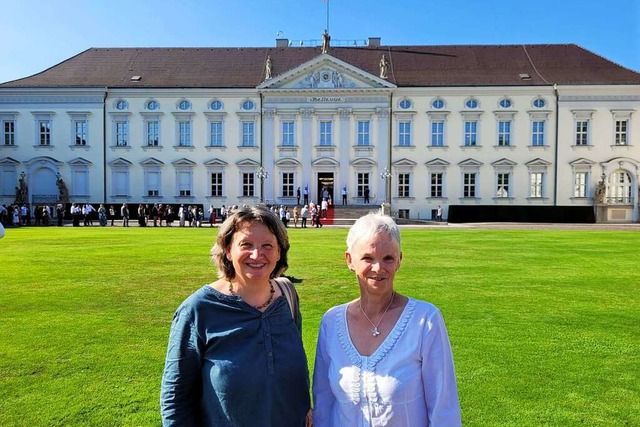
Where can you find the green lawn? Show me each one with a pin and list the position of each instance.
(545, 325)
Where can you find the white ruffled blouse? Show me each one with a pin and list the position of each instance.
(408, 381)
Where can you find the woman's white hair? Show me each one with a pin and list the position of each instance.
(370, 225)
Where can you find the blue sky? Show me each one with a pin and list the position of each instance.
(37, 34)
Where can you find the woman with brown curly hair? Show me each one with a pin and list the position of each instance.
(235, 355)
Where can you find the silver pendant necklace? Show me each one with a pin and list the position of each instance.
(375, 332)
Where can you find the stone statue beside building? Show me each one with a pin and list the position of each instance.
(62, 188)
(268, 68)
(601, 190)
(326, 39)
(384, 67)
(22, 192)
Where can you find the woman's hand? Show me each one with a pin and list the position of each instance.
(309, 421)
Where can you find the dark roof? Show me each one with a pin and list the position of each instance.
(410, 66)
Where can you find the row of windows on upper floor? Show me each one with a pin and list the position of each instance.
(405, 104)
(437, 138)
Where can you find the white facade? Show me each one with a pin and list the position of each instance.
(327, 123)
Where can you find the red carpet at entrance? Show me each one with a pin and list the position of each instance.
(329, 219)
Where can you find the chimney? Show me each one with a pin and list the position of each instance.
(373, 42)
(282, 42)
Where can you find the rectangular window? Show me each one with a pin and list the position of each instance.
(248, 134)
(184, 184)
(287, 184)
(503, 185)
(469, 185)
(435, 189)
(537, 132)
(288, 133)
(216, 184)
(121, 183)
(248, 184)
(363, 182)
(216, 134)
(122, 134)
(9, 129)
(437, 133)
(504, 133)
(582, 132)
(80, 182)
(403, 184)
(470, 133)
(363, 132)
(153, 183)
(404, 134)
(44, 127)
(185, 134)
(536, 184)
(153, 133)
(325, 132)
(81, 132)
(580, 185)
(621, 132)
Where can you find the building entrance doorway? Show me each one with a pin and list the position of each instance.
(325, 186)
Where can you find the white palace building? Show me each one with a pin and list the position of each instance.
(485, 131)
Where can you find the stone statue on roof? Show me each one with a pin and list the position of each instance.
(326, 38)
(268, 68)
(384, 67)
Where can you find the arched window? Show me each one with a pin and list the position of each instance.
(619, 189)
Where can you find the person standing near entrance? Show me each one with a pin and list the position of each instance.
(439, 213)
(305, 195)
(344, 195)
(366, 195)
(298, 196)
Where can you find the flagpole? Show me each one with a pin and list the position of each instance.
(327, 15)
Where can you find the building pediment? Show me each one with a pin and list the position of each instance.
(184, 162)
(152, 161)
(79, 161)
(215, 162)
(538, 162)
(247, 162)
(43, 160)
(404, 162)
(325, 73)
(363, 161)
(437, 162)
(470, 162)
(504, 162)
(582, 162)
(288, 161)
(120, 162)
(325, 161)
(9, 161)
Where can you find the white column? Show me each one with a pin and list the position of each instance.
(384, 148)
(306, 146)
(344, 158)
(268, 149)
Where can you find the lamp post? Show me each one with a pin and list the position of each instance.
(386, 206)
(262, 174)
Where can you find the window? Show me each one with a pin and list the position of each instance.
(505, 103)
(152, 105)
(504, 132)
(9, 132)
(325, 132)
(437, 133)
(619, 192)
(537, 132)
(120, 183)
(470, 132)
(539, 103)
(121, 105)
(44, 132)
(184, 105)
(403, 184)
(580, 184)
(184, 130)
(184, 183)
(404, 134)
(152, 183)
(621, 132)
(435, 187)
(405, 104)
(363, 182)
(288, 133)
(535, 187)
(248, 134)
(216, 184)
(216, 105)
(122, 134)
(248, 105)
(503, 185)
(287, 184)
(582, 132)
(216, 134)
(438, 104)
(248, 184)
(469, 184)
(153, 133)
(472, 104)
(363, 132)
(81, 132)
